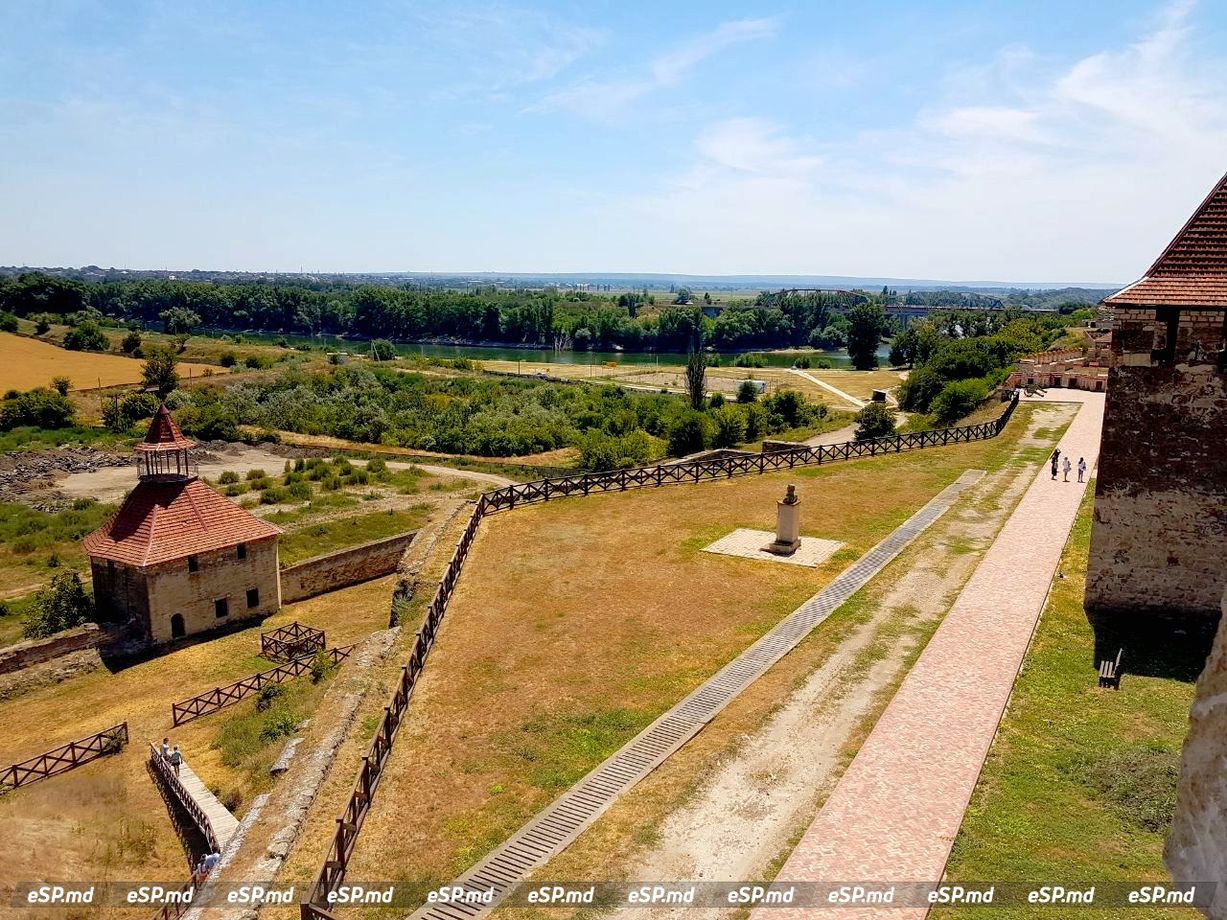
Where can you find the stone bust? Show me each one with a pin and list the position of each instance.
(791, 497)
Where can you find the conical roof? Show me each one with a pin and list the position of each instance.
(1192, 270)
(164, 434)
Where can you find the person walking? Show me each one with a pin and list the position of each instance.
(1066, 468)
(176, 759)
(1081, 468)
(165, 748)
(1056, 458)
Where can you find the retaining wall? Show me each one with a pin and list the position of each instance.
(343, 568)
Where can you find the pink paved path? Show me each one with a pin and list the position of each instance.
(894, 814)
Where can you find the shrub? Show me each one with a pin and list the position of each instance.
(377, 465)
(599, 451)
(227, 477)
(747, 392)
(300, 491)
(131, 343)
(228, 359)
(61, 385)
(255, 362)
(788, 408)
(256, 474)
(875, 420)
(139, 405)
(730, 426)
(383, 350)
(322, 666)
(268, 695)
(691, 432)
(278, 725)
(957, 399)
(41, 408)
(42, 324)
(260, 485)
(8, 322)
(61, 605)
(235, 490)
(86, 337)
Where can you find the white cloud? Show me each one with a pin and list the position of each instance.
(1082, 173)
(603, 99)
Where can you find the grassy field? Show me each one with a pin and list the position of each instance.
(328, 536)
(578, 622)
(1080, 783)
(106, 820)
(34, 545)
(26, 363)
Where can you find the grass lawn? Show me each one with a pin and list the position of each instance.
(579, 621)
(35, 545)
(325, 537)
(1080, 783)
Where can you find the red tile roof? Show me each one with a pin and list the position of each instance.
(1192, 270)
(164, 434)
(161, 521)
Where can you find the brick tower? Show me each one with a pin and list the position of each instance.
(1159, 541)
(177, 557)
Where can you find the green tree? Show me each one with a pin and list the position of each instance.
(690, 432)
(61, 605)
(730, 426)
(41, 408)
(747, 392)
(8, 322)
(875, 420)
(42, 323)
(957, 399)
(865, 324)
(131, 345)
(61, 385)
(159, 373)
(696, 374)
(86, 337)
(179, 320)
(383, 350)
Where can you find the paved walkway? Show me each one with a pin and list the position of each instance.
(895, 813)
(568, 816)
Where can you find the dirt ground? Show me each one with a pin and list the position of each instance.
(26, 363)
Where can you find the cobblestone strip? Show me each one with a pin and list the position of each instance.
(895, 812)
(553, 829)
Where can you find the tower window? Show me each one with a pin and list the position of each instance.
(241, 551)
(193, 564)
(253, 597)
(221, 608)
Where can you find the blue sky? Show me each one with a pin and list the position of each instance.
(1023, 141)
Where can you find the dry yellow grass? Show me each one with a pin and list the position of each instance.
(578, 622)
(106, 820)
(26, 363)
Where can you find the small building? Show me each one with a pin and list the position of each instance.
(1069, 369)
(178, 558)
(1159, 539)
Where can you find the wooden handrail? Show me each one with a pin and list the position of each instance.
(65, 757)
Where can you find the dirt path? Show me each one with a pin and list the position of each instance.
(847, 397)
(748, 809)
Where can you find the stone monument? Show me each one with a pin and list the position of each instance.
(787, 525)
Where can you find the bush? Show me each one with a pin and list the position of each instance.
(42, 324)
(876, 420)
(322, 666)
(383, 350)
(131, 343)
(377, 465)
(749, 359)
(260, 485)
(41, 408)
(61, 605)
(747, 392)
(256, 474)
(227, 477)
(957, 399)
(139, 405)
(61, 385)
(691, 432)
(255, 362)
(233, 491)
(278, 725)
(268, 695)
(8, 322)
(86, 337)
(788, 408)
(599, 451)
(730, 426)
(300, 491)
(228, 359)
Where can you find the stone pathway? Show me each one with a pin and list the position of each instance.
(553, 829)
(895, 813)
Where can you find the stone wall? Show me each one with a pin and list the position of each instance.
(1160, 531)
(1196, 851)
(175, 590)
(34, 651)
(343, 568)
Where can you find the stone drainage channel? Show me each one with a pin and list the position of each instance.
(574, 811)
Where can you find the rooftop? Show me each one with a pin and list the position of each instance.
(1192, 270)
(161, 521)
(164, 434)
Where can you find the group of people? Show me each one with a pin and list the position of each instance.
(205, 866)
(174, 756)
(1065, 466)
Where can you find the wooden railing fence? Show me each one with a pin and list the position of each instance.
(65, 757)
(349, 824)
(220, 697)
(293, 641)
(169, 779)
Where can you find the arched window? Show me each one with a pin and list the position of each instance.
(176, 627)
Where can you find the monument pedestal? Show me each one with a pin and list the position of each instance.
(787, 525)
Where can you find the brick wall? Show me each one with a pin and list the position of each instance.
(343, 568)
(1160, 531)
(32, 651)
(175, 590)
